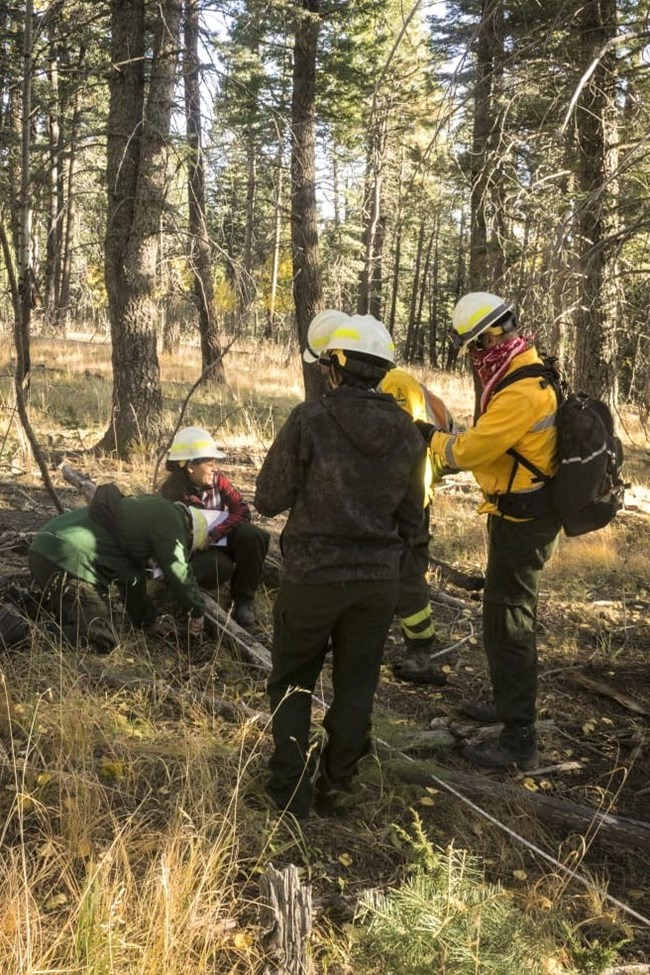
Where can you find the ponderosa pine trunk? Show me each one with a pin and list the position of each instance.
(138, 132)
(307, 282)
(596, 126)
(200, 253)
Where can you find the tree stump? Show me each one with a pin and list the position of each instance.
(286, 921)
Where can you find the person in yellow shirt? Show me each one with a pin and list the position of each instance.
(522, 527)
(414, 604)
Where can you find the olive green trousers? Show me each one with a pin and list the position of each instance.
(517, 553)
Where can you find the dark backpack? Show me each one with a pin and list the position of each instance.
(587, 490)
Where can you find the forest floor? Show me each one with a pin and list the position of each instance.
(118, 759)
(594, 743)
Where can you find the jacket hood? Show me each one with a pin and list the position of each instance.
(362, 416)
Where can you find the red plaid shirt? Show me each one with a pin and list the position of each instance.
(222, 496)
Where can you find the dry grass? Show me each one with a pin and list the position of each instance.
(127, 847)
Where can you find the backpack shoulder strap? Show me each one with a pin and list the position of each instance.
(546, 370)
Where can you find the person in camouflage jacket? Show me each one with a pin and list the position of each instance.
(350, 470)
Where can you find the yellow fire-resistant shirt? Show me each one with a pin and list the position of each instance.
(521, 416)
(421, 404)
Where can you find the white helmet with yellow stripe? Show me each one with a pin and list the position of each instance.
(475, 313)
(332, 330)
(193, 443)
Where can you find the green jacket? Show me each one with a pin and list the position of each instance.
(150, 527)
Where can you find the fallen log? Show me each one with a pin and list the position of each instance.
(550, 809)
(82, 482)
(240, 639)
(457, 577)
(606, 691)
(183, 695)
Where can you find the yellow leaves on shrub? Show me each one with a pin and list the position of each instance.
(242, 940)
(520, 875)
(112, 771)
(345, 859)
(589, 726)
(427, 801)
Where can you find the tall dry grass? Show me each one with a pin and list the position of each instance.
(127, 846)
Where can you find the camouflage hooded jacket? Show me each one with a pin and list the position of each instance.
(349, 467)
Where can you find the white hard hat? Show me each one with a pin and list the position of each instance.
(350, 333)
(194, 443)
(475, 313)
(320, 329)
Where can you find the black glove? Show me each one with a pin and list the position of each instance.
(426, 429)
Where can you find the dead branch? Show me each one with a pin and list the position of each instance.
(606, 691)
(82, 482)
(458, 578)
(33, 442)
(286, 920)
(550, 809)
(252, 651)
(182, 696)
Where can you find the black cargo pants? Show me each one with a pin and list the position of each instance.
(239, 561)
(357, 616)
(517, 553)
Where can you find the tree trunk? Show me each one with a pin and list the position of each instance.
(269, 330)
(369, 296)
(138, 131)
(397, 257)
(487, 44)
(410, 344)
(307, 283)
(200, 259)
(53, 246)
(596, 113)
(26, 282)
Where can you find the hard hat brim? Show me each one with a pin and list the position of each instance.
(308, 356)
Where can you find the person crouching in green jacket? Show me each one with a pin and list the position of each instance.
(77, 556)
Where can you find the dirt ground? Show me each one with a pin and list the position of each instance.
(593, 709)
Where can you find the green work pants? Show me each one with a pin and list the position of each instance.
(357, 616)
(82, 612)
(413, 599)
(517, 553)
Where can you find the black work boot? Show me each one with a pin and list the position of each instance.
(418, 665)
(333, 799)
(486, 712)
(243, 613)
(516, 746)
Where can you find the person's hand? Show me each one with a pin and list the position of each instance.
(164, 628)
(426, 429)
(439, 469)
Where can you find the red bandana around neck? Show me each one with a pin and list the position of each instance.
(492, 364)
